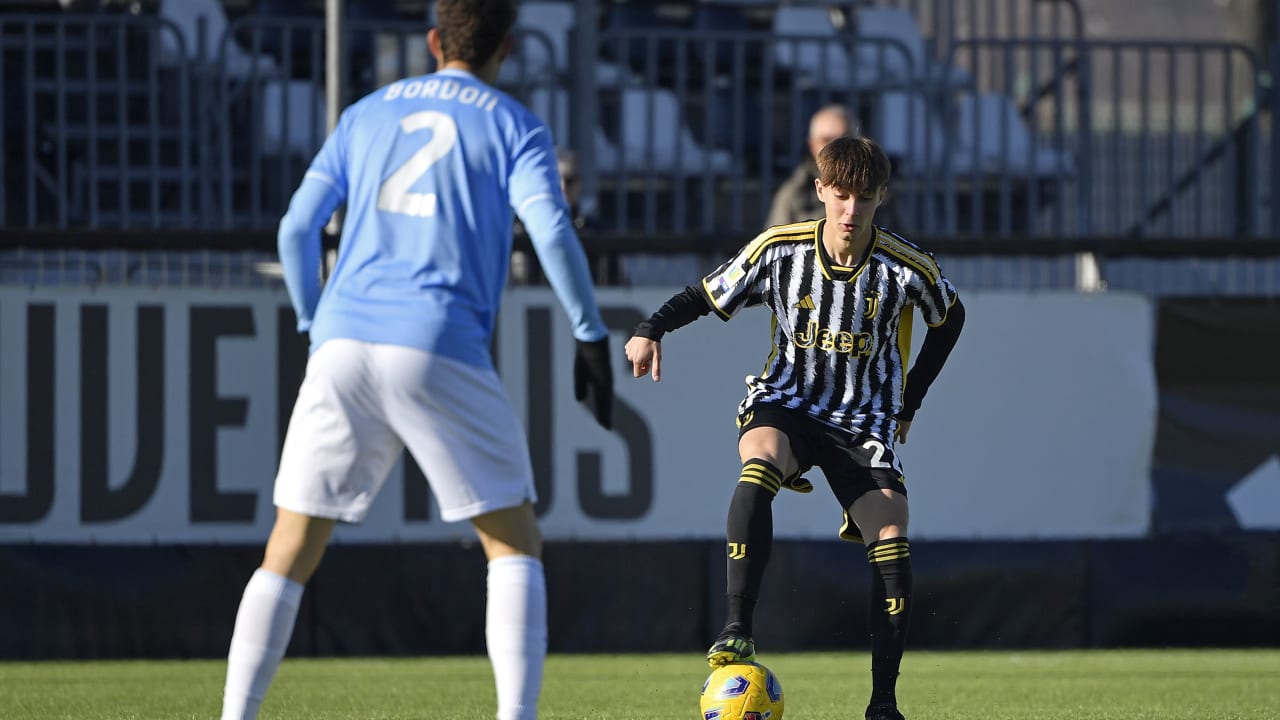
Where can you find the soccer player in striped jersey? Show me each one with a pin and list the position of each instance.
(835, 392)
(431, 170)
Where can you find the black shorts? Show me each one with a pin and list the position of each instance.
(853, 464)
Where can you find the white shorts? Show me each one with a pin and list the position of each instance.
(361, 403)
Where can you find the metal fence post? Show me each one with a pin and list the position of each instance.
(584, 114)
(1273, 97)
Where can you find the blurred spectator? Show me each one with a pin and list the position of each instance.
(796, 200)
(571, 186)
(605, 267)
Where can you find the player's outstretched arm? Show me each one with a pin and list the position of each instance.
(545, 216)
(644, 349)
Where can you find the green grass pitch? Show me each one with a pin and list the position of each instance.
(1073, 685)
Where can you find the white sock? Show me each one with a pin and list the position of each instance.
(264, 625)
(516, 633)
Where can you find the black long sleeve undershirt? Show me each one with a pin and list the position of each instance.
(691, 303)
(683, 308)
(938, 342)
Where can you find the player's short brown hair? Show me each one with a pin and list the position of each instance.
(473, 30)
(854, 164)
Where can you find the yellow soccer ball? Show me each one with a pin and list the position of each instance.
(742, 691)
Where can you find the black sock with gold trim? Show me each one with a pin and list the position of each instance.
(749, 533)
(888, 613)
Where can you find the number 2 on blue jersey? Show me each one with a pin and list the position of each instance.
(394, 194)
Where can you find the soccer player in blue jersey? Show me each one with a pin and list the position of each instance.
(430, 170)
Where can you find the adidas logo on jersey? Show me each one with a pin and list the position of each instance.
(806, 303)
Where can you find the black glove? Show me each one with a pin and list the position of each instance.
(591, 369)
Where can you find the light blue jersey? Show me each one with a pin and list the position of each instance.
(430, 170)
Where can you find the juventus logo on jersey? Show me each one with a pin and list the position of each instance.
(873, 305)
(737, 551)
(806, 303)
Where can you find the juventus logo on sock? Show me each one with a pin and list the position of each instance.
(737, 551)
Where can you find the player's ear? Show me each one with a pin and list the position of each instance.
(817, 188)
(433, 44)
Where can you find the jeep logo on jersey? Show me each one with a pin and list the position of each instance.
(841, 341)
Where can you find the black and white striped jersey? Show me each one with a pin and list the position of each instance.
(841, 335)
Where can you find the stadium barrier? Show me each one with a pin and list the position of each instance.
(179, 601)
(1078, 483)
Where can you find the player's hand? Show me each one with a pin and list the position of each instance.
(592, 371)
(900, 434)
(645, 356)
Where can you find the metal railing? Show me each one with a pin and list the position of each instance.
(1010, 124)
(102, 128)
(1164, 138)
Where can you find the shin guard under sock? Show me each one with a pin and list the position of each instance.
(749, 533)
(888, 613)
